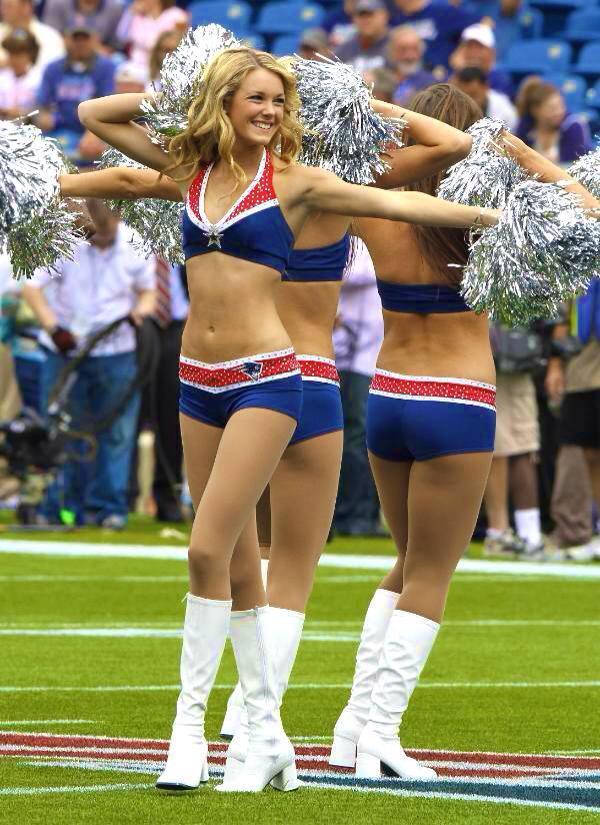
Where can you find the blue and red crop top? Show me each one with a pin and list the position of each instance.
(253, 228)
(420, 298)
(323, 263)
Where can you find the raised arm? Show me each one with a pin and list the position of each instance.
(544, 169)
(120, 183)
(112, 120)
(327, 193)
(437, 146)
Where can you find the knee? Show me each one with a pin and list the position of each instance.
(202, 559)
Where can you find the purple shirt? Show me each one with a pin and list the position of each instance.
(359, 331)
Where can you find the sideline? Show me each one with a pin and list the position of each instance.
(333, 560)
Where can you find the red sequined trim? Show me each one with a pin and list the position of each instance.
(430, 388)
(261, 368)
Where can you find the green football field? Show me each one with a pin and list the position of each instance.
(89, 671)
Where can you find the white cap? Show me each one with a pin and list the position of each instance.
(481, 34)
(129, 72)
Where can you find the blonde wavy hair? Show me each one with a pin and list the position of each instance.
(210, 135)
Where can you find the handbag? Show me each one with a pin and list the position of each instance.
(516, 349)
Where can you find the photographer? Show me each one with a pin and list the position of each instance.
(108, 280)
(517, 353)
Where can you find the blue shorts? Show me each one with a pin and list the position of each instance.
(416, 418)
(212, 393)
(322, 403)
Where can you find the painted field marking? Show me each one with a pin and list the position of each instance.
(15, 723)
(331, 560)
(547, 781)
(120, 786)
(423, 685)
(79, 579)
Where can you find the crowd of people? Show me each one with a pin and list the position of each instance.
(56, 55)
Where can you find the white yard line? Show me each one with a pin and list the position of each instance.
(330, 560)
(120, 786)
(423, 685)
(17, 723)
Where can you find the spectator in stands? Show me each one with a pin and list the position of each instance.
(130, 78)
(10, 399)
(474, 82)
(339, 25)
(546, 125)
(382, 82)
(18, 14)
(101, 16)
(477, 47)
(405, 58)
(144, 21)
(20, 80)
(440, 24)
(107, 280)
(367, 48)
(313, 43)
(357, 339)
(167, 42)
(81, 75)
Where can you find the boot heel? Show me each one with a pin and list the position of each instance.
(204, 774)
(367, 766)
(343, 752)
(287, 779)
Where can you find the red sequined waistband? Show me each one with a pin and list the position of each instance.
(315, 368)
(229, 375)
(421, 387)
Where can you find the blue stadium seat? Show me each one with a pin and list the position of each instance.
(254, 40)
(287, 18)
(531, 23)
(537, 56)
(562, 4)
(583, 25)
(573, 89)
(286, 44)
(592, 98)
(589, 60)
(232, 15)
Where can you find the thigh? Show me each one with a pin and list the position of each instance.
(303, 492)
(444, 498)
(249, 450)
(200, 445)
(392, 482)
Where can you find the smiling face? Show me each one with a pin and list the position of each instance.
(256, 108)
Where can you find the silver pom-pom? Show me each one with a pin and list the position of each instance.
(181, 76)
(342, 132)
(543, 251)
(35, 225)
(157, 222)
(587, 171)
(488, 174)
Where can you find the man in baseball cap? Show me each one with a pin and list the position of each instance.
(367, 49)
(477, 48)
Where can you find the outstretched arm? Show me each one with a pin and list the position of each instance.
(120, 183)
(325, 192)
(437, 146)
(112, 120)
(544, 169)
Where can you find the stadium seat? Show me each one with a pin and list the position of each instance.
(233, 15)
(592, 97)
(531, 23)
(573, 90)
(583, 25)
(254, 40)
(562, 4)
(589, 60)
(543, 56)
(286, 44)
(288, 18)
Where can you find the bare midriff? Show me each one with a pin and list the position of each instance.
(451, 344)
(232, 309)
(308, 312)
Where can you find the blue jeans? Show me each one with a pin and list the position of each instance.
(95, 488)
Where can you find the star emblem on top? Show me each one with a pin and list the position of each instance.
(214, 237)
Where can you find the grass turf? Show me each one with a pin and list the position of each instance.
(114, 592)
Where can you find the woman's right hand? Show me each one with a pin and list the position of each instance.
(555, 381)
